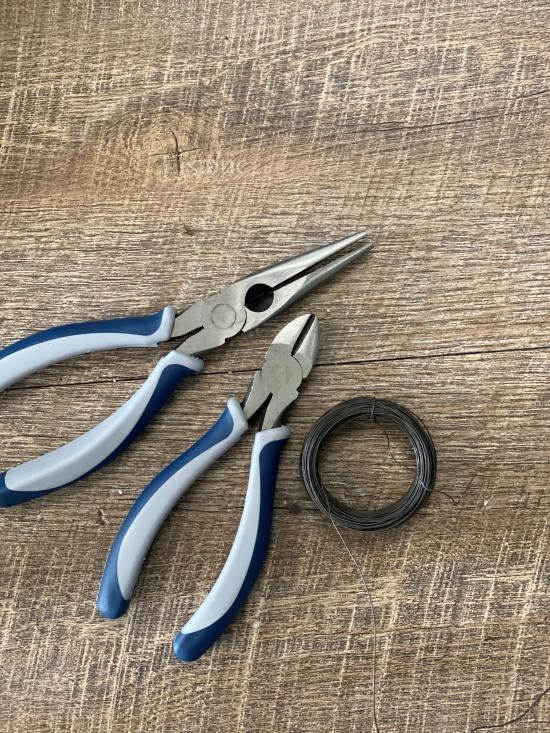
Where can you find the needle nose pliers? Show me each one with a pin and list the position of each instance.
(205, 325)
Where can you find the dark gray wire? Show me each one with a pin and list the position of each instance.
(519, 717)
(374, 625)
(373, 409)
(390, 516)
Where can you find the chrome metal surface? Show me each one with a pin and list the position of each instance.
(255, 298)
(288, 362)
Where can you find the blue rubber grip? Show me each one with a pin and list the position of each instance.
(153, 505)
(235, 582)
(138, 325)
(102, 444)
(63, 342)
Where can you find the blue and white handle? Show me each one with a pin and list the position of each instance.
(63, 342)
(102, 443)
(153, 505)
(246, 557)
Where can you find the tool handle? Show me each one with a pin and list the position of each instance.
(246, 557)
(102, 443)
(63, 342)
(153, 505)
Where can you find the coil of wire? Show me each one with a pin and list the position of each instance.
(376, 410)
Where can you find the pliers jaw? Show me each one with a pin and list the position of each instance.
(255, 298)
(288, 362)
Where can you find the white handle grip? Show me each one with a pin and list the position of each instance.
(63, 342)
(246, 557)
(102, 443)
(153, 505)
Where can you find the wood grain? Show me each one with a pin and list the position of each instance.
(149, 153)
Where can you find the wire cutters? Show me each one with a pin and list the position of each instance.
(288, 362)
(205, 325)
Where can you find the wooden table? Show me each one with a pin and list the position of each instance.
(151, 152)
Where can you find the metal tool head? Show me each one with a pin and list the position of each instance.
(288, 362)
(255, 298)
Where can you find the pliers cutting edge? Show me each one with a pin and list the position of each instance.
(208, 323)
(274, 387)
